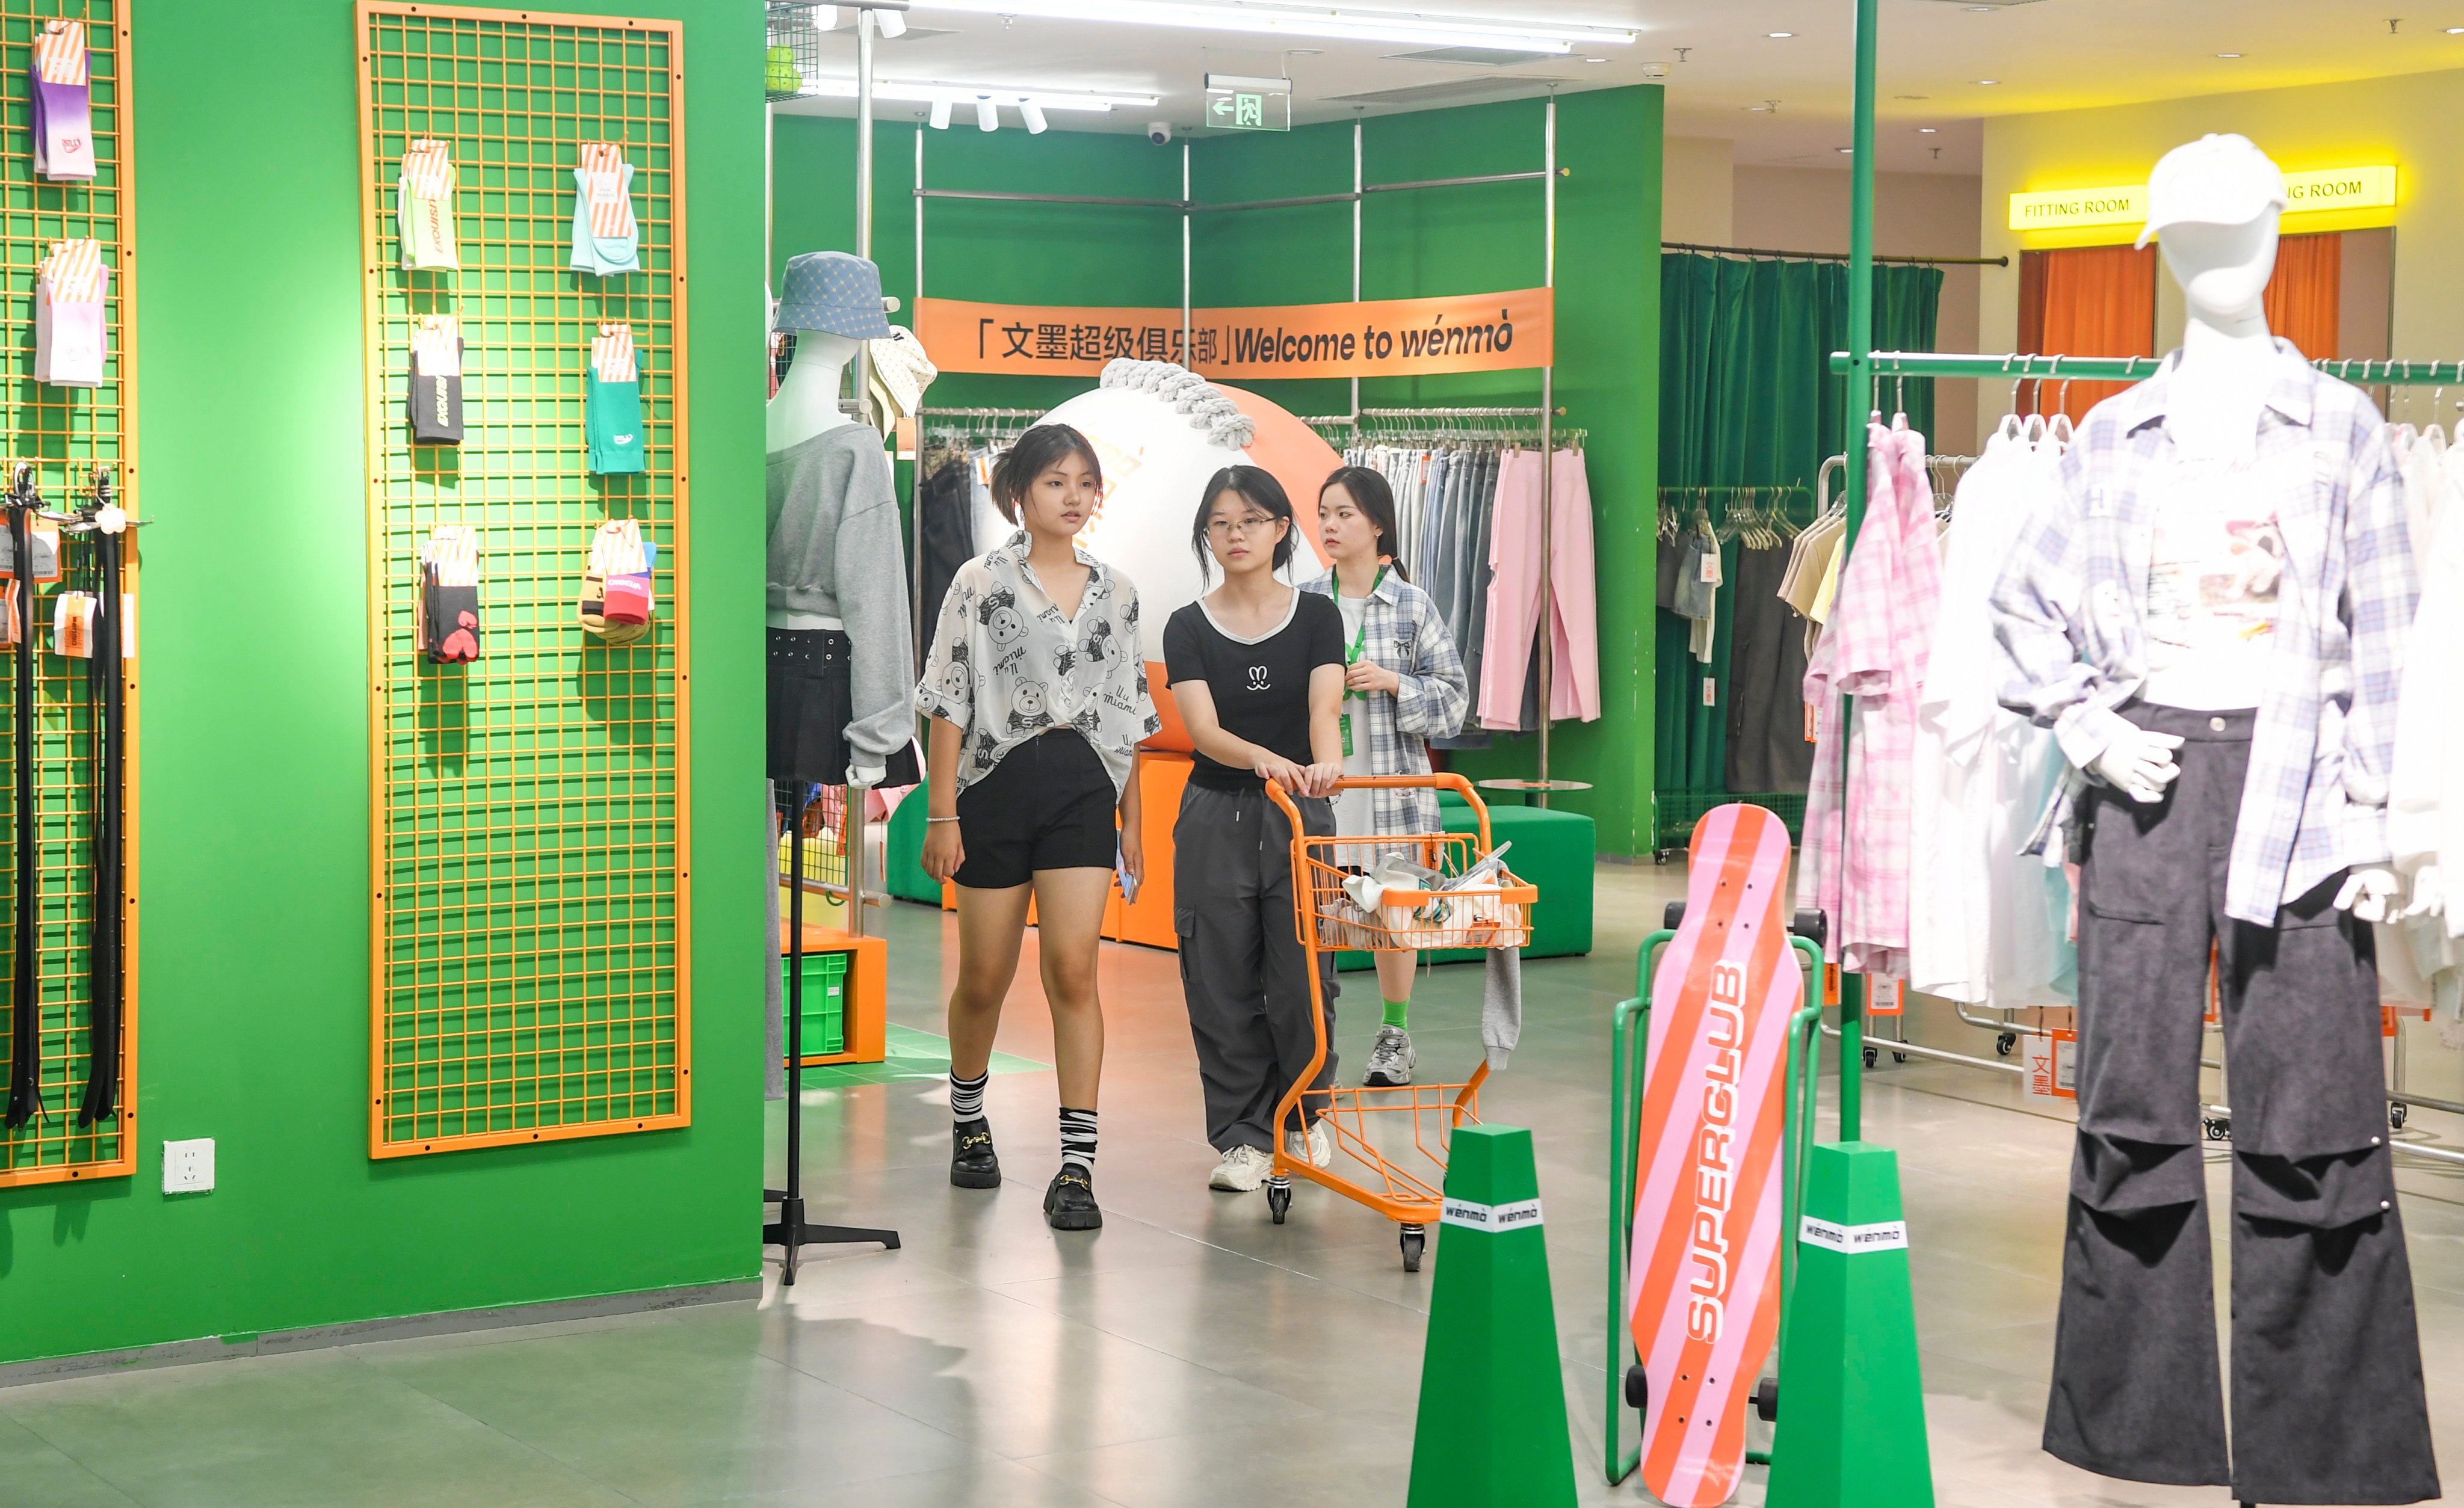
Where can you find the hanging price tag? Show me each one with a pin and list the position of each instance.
(1710, 691)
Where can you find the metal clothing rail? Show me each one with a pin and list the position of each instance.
(2371, 373)
(1196, 207)
(1835, 256)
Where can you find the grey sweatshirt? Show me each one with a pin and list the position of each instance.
(835, 551)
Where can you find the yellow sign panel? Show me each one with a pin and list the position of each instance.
(2338, 188)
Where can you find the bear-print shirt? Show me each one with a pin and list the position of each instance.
(1006, 665)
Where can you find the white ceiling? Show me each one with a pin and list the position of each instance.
(2047, 54)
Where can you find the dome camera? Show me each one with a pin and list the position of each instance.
(1159, 132)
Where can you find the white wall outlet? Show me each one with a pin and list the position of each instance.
(189, 1167)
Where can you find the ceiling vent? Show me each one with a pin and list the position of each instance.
(1478, 56)
(1451, 89)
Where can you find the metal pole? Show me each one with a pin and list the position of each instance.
(1861, 346)
(1188, 356)
(915, 474)
(1547, 697)
(1355, 240)
(862, 367)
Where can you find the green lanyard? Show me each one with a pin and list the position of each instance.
(1360, 639)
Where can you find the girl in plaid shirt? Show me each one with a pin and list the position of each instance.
(1404, 685)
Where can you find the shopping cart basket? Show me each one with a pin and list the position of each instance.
(1391, 1142)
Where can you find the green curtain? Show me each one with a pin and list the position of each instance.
(1747, 400)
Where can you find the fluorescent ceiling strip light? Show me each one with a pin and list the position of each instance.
(1343, 25)
(935, 94)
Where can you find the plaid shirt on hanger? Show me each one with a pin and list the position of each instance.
(2068, 618)
(1407, 635)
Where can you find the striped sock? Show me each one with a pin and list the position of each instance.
(1078, 1139)
(967, 1096)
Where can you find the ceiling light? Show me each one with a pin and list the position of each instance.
(987, 118)
(1847, 151)
(1927, 130)
(1979, 10)
(890, 23)
(941, 114)
(1283, 20)
(935, 93)
(1033, 117)
(1596, 59)
(1779, 37)
(2228, 54)
(2455, 31)
(1988, 80)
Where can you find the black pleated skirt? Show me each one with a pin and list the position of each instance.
(812, 700)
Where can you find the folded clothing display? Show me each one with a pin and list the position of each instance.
(612, 403)
(62, 100)
(449, 594)
(69, 333)
(606, 238)
(436, 381)
(423, 207)
(617, 600)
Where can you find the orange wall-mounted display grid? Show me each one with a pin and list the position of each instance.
(528, 825)
(64, 433)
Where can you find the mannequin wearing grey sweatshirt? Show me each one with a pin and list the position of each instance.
(835, 552)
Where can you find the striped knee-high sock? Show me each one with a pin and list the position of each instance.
(967, 1096)
(1078, 1139)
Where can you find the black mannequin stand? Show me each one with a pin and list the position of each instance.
(790, 1232)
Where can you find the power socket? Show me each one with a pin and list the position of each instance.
(189, 1167)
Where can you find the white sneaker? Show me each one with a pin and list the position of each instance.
(1391, 1059)
(1320, 1146)
(1243, 1169)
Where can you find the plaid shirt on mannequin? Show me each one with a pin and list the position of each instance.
(2068, 618)
(1407, 635)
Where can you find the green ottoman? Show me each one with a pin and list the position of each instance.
(1553, 851)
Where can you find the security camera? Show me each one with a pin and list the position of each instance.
(1159, 132)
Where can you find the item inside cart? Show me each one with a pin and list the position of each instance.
(1399, 903)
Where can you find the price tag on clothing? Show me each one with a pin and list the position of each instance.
(1711, 566)
(2050, 1065)
(1887, 997)
(1344, 722)
(1710, 691)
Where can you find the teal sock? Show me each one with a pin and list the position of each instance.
(1398, 1015)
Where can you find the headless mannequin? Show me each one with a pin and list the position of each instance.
(807, 405)
(2227, 367)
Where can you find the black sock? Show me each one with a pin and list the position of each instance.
(1078, 1139)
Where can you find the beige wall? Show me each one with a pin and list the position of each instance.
(1915, 214)
(2408, 121)
(1698, 190)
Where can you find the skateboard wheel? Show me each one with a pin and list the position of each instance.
(1637, 1387)
(1415, 1242)
(2003, 1043)
(2396, 1114)
(1767, 1399)
(1279, 1199)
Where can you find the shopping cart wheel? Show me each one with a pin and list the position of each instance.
(1637, 1387)
(2218, 1126)
(1898, 1057)
(1873, 1055)
(1279, 1197)
(2396, 1114)
(2003, 1043)
(1767, 1399)
(1415, 1241)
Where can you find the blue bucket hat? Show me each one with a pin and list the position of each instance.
(835, 292)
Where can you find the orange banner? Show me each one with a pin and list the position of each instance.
(1388, 337)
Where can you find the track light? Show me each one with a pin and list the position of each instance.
(986, 116)
(1028, 112)
(941, 113)
(939, 90)
(1296, 20)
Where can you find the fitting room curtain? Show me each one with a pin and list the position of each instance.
(1747, 400)
(2087, 300)
(2305, 297)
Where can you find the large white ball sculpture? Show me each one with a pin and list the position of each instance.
(1160, 434)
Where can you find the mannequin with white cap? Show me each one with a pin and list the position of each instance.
(2211, 615)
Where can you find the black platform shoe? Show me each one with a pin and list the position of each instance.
(972, 1162)
(1069, 1204)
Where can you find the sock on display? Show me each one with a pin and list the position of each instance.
(1078, 1139)
(967, 1096)
(1398, 1015)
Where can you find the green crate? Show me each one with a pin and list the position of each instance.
(825, 1002)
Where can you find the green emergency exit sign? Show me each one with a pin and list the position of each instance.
(1249, 104)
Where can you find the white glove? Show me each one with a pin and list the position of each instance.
(2429, 893)
(867, 776)
(2367, 894)
(2140, 764)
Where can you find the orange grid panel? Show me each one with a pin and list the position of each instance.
(529, 831)
(64, 432)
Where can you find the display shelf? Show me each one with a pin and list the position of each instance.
(529, 817)
(64, 433)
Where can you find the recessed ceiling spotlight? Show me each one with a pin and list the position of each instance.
(1927, 130)
(1989, 81)
(1779, 37)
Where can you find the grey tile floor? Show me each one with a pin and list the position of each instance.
(1192, 1354)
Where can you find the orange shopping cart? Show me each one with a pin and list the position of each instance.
(1391, 1143)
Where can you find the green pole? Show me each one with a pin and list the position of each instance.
(1861, 348)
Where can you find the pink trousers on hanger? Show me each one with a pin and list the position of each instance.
(1514, 592)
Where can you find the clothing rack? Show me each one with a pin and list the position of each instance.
(1833, 256)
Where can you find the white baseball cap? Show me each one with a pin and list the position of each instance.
(2216, 180)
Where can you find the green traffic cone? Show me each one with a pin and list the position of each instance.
(1492, 1425)
(1852, 1425)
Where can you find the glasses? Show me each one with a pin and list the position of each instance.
(1226, 528)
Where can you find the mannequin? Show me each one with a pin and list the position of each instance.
(2210, 618)
(806, 406)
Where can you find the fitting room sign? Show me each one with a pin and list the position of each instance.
(1387, 337)
(2126, 204)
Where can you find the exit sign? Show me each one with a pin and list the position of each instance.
(1249, 104)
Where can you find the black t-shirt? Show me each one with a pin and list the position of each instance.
(1261, 688)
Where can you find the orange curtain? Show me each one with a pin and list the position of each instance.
(2089, 300)
(2305, 295)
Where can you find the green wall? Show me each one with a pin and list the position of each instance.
(255, 964)
(1413, 243)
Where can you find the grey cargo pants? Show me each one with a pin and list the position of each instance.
(1242, 968)
(2327, 1404)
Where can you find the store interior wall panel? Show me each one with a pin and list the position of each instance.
(1699, 190)
(255, 783)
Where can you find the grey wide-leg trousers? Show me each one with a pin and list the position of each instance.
(2327, 1403)
(1242, 967)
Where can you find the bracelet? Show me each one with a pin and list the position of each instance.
(940, 819)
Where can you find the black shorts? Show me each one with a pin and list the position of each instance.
(1048, 804)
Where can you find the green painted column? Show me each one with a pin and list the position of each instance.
(1852, 1425)
(1493, 1424)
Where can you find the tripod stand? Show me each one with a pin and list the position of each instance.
(790, 1232)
